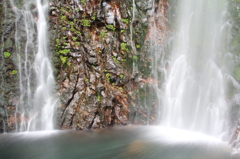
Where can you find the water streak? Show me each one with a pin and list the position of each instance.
(36, 105)
(195, 86)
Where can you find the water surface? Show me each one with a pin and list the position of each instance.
(131, 142)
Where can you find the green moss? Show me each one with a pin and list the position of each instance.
(93, 18)
(121, 76)
(124, 47)
(63, 17)
(111, 27)
(99, 98)
(69, 63)
(85, 23)
(115, 59)
(103, 34)
(138, 46)
(6, 54)
(74, 38)
(72, 29)
(14, 72)
(71, 23)
(64, 51)
(126, 21)
(77, 43)
(63, 10)
(57, 41)
(63, 59)
(135, 57)
(78, 32)
(108, 76)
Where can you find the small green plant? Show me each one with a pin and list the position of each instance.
(64, 51)
(122, 31)
(121, 76)
(64, 28)
(104, 70)
(57, 41)
(86, 80)
(63, 10)
(71, 23)
(138, 46)
(111, 27)
(69, 63)
(115, 59)
(72, 29)
(14, 72)
(135, 57)
(74, 38)
(124, 60)
(63, 59)
(63, 17)
(120, 88)
(78, 32)
(124, 47)
(126, 21)
(77, 43)
(93, 18)
(98, 98)
(103, 34)
(85, 23)
(108, 76)
(6, 54)
(82, 1)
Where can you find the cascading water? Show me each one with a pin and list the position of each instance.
(194, 92)
(44, 97)
(36, 105)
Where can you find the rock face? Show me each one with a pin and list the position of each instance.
(9, 92)
(101, 60)
(94, 53)
(235, 141)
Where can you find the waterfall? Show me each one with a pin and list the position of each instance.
(194, 91)
(35, 108)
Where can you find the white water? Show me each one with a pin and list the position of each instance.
(194, 92)
(35, 108)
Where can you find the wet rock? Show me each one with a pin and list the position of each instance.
(92, 60)
(100, 87)
(93, 94)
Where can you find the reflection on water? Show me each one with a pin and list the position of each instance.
(132, 142)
